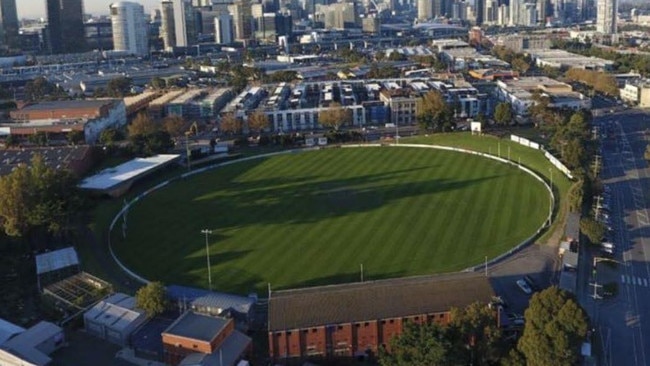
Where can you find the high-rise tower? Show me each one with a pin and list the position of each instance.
(65, 26)
(129, 28)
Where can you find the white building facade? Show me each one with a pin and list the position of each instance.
(606, 16)
(129, 28)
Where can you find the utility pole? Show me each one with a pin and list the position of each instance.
(361, 265)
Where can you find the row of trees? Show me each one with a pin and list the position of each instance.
(519, 62)
(598, 80)
(554, 330)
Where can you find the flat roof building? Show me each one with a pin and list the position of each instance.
(33, 346)
(114, 319)
(195, 336)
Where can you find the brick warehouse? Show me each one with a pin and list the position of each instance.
(353, 319)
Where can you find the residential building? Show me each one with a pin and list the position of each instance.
(351, 320)
(479, 11)
(607, 16)
(636, 93)
(8, 23)
(99, 34)
(65, 26)
(542, 7)
(339, 15)
(167, 27)
(520, 94)
(202, 339)
(129, 28)
(114, 319)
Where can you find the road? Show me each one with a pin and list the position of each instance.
(622, 323)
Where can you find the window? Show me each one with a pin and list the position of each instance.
(314, 330)
(340, 327)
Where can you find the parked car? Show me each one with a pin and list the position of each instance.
(531, 283)
(523, 285)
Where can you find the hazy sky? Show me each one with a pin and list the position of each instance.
(36, 8)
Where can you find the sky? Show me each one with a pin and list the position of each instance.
(36, 8)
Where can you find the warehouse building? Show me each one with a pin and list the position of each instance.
(61, 117)
(352, 320)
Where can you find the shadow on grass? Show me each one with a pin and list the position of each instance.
(342, 278)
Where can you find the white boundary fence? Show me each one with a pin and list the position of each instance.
(437, 147)
(533, 145)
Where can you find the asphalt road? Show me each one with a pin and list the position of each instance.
(622, 322)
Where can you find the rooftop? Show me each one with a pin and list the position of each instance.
(111, 177)
(25, 345)
(211, 299)
(116, 312)
(67, 104)
(56, 260)
(8, 330)
(196, 326)
(303, 308)
(58, 157)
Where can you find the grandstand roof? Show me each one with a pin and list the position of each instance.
(317, 306)
(111, 177)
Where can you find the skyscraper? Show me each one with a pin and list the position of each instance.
(183, 22)
(8, 22)
(223, 29)
(607, 12)
(479, 12)
(167, 30)
(65, 26)
(129, 28)
(425, 9)
(242, 18)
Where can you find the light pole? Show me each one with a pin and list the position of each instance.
(207, 256)
(550, 199)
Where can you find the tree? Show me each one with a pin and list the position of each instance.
(41, 89)
(396, 56)
(142, 125)
(75, 137)
(258, 122)
(119, 87)
(418, 345)
(152, 298)
(335, 116)
(37, 198)
(433, 112)
(475, 334)
(173, 125)
(555, 328)
(158, 83)
(520, 64)
(593, 229)
(109, 136)
(230, 124)
(503, 114)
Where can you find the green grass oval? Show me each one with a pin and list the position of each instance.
(312, 218)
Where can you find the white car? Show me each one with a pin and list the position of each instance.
(523, 285)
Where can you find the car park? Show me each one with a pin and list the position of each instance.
(523, 285)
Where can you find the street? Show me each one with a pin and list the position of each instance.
(623, 329)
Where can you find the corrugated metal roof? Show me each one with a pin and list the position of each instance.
(338, 304)
(215, 300)
(56, 260)
(8, 330)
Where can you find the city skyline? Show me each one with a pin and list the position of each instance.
(36, 8)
